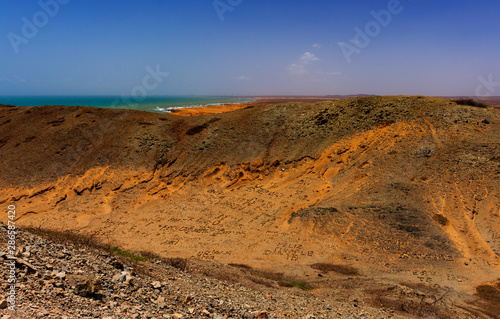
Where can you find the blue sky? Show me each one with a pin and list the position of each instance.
(249, 47)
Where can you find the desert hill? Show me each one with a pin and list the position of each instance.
(400, 188)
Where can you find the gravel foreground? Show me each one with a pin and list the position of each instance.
(64, 281)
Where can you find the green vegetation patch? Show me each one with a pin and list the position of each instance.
(127, 254)
(282, 280)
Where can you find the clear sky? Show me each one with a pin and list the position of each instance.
(248, 47)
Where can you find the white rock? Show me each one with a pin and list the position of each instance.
(161, 302)
(205, 312)
(156, 284)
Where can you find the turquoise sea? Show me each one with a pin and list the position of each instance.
(158, 104)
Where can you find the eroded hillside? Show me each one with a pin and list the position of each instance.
(398, 187)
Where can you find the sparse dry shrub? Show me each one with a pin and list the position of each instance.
(149, 255)
(67, 237)
(440, 219)
(389, 300)
(281, 279)
(489, 300)
(262, 281)
(179, 263)
(489, 293)
(242, 266)
(340, 269)
(470, 102)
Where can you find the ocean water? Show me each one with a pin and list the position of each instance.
(158, 104)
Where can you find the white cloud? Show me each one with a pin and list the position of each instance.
(317, 46)
(299, 68)
(308, 57)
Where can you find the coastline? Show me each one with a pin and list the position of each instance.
(493, 101)
(154, 104)
(210, 109)
(264, 100)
